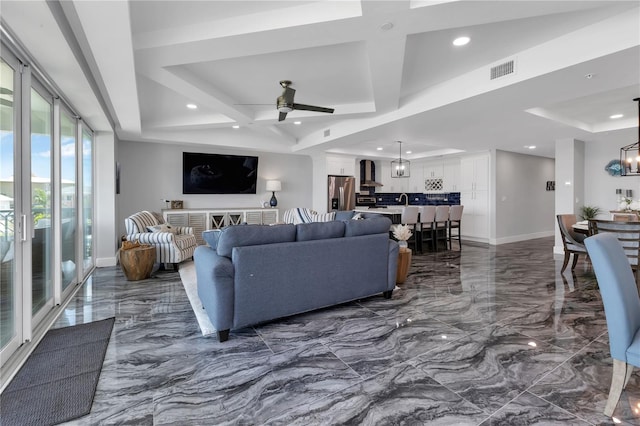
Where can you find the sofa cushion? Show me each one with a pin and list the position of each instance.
(253, 235)
(374, 225)
(319, 230)
(344, 214)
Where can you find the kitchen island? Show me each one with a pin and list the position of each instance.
(394, 213)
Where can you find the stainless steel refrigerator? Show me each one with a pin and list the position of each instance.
(342, 193)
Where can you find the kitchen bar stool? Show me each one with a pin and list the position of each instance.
(427, 216)
(410, 218)
(440, 226)
(455, 220)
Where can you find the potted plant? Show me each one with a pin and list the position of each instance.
(402, 233)
(589, 212)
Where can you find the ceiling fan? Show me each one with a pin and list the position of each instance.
(285, 102)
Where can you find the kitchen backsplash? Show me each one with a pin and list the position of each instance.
(417, 199)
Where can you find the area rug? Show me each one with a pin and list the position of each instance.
(188, 276)
(59, 379)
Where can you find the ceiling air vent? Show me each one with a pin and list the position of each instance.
(502, 70)
(327, 132)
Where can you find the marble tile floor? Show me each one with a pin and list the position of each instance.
(482, 336)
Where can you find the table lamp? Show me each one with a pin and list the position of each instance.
(273, 186)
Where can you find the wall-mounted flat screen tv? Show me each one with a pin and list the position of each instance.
(219, 174)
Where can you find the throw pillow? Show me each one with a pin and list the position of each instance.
(158, 217)
(211, 237)
(327, 217)
(162, 228)
(298, 215)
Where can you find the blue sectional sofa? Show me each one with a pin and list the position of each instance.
(248, 274)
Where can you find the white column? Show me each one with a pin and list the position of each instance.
(569, 173)
(319, 178)
(105, 230)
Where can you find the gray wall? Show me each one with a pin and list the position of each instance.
(524, 208)
(152, 172)
(600, 187)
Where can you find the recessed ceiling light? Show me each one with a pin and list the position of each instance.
(408, 152)
(386, 26)
(192, 106)
(589, 76)
(530, 146)
(614, 116)
(379, 148)
(236, 126)
(461, 41)
(297, 123)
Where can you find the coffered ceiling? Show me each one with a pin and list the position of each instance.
(389, 69)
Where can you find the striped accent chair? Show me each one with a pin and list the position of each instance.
(171, 247)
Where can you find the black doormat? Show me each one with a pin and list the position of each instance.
(59, 379)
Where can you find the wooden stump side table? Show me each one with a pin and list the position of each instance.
(404, 261)
(137, 263)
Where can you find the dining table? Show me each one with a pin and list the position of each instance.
(581, 227)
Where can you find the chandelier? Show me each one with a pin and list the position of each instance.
(400, 168)
(630, 154)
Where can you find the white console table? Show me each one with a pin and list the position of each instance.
(204, 219)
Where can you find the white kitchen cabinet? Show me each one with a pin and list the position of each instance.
(415, 182)
(475, 216)
(339, 165)
(451, 175)
(383, 176)
(474, 195)
(474, 173)
(433, 170)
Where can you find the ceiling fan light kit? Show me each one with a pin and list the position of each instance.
(285, 103)
(630, 154)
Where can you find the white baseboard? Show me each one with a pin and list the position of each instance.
(522, 237)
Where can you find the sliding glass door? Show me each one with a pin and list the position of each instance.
(41, 202)
(68, 198)
(46, 204)
(87, 199)
(10, 303)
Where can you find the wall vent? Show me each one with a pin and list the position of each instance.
(502, 70)
(327, 133)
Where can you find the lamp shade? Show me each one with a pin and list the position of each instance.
(274, 185)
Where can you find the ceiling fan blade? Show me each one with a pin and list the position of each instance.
(313, 108)
(282, 116)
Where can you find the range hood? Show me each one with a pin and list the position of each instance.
(368, 174)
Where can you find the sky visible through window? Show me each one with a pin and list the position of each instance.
(41, 156)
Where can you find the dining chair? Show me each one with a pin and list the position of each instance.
(440, 226)
(427, 217)
(410, 217)
(621, 307)
(455, 221)
(571, 241)
(628, 233)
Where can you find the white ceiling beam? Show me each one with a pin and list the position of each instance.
(282, 18)
(610, 36)
(113, 55)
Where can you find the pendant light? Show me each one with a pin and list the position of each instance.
(400, 168)
(630, 154)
